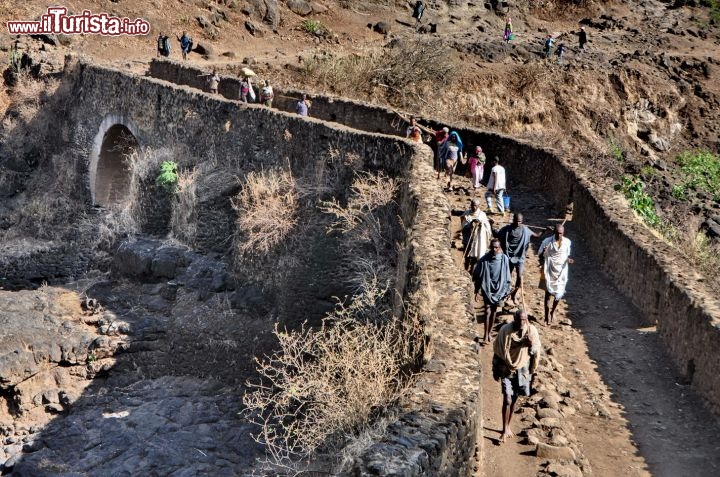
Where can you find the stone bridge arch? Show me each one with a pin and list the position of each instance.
(110, 174)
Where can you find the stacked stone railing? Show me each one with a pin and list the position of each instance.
(643, 267)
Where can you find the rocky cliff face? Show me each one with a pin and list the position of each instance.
(52, 343)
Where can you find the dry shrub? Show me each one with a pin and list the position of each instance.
(183, 223)
(267, 207)
(406, 72)
(325, 386)
(368, 212)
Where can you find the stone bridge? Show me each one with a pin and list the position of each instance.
(114, 112)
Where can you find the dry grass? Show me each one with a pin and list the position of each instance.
(330, 387)
(403, 75)
(267, 209)
(183, 223)
(365, 217)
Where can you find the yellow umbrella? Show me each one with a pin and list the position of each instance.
(247, 72)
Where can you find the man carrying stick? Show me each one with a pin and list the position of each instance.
(492, 278)
(476, 233)
(515, 239)
(555, 253)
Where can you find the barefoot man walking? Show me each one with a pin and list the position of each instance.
(556, 255)
(516, 354)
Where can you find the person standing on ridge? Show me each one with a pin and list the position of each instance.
(185, 44)
(582, 38)
(508, 34)
(418, 10)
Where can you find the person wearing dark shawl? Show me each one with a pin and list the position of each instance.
(516, 355)
(492, 279)
(515, 240)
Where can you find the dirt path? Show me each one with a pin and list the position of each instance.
(628, 414)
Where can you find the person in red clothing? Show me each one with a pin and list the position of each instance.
(441, 137)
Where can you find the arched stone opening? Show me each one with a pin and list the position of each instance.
(112, 174)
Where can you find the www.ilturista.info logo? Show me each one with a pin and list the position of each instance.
(57, 21)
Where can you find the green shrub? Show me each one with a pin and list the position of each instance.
(615, 150)
(648, 172)
(679, 192)
(701, 172)
(315, 27)
(634, 190)
(168, 176)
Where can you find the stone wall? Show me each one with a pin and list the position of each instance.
(441, 434)
(355, 114)
(27, 264)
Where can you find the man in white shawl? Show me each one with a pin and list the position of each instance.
(516, 355)
(476, 234)
(556, 255)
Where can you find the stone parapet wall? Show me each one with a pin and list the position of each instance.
(355, 114)
(440, 434)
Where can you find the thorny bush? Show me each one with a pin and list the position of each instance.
(267, 210)
(325, 386)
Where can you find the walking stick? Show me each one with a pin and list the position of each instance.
(470, 240)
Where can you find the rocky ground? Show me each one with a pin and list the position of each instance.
(125, 382)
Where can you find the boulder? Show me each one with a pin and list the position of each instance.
(545, 451)
(253, 29)
(204, 49)
(318, 7)
(658, 142)
(546, 412)
(563, 470)
(550, 422)
(382, 28)
(299, 7)
(267, 10)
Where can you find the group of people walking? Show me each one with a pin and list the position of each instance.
(164, 46)
(496, 257)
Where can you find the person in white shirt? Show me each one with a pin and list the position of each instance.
(556, 254)
(496, 186)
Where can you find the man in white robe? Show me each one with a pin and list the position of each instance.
(476, 233)
(556, 254)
